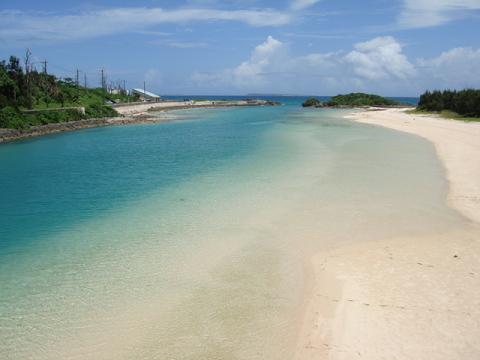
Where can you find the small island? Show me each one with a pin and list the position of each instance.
(351, 100)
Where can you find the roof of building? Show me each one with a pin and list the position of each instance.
(146, 93)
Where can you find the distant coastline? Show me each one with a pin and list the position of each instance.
(134, 113)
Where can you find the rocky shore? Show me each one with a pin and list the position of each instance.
(7, 135)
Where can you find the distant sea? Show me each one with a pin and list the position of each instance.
(190, 239)
(280, 98)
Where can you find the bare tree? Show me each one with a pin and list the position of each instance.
(28, 55)
(28, 85)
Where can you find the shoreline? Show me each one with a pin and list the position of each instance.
(455, 141)
(129, 114)
(407, 297)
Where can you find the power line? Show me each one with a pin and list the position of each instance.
(61, 68)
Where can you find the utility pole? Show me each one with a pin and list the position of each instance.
(103, 78)
(85, 80)
(103, 84)
(44, 62)
(76, 78)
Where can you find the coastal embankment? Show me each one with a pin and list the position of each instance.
(133, 113)
(144, 108)
(408, 297)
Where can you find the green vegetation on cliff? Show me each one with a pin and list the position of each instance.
(29, 98)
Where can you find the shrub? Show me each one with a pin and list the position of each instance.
(11, 118)
(100, 111)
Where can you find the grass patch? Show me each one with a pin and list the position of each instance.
(445, 114)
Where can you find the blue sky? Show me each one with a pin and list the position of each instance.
(322, 47)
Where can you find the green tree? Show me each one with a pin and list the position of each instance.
(8, 89)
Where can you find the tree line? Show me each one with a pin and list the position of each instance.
(465, 102)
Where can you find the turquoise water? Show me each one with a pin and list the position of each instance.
(188, 239)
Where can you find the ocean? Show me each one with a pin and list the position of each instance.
(189, 239)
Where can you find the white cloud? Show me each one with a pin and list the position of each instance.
(260, 62)
(17, 26)
(380, 58)
(425, 13)
(153, 76)
(302, 4)
(377, 65)
(456, 68)
(187, 45)
(252, 73)
(271, 67)
(179, 44)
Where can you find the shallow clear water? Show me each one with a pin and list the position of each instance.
(188, 239)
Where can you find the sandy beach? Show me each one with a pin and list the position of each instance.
(410, 297)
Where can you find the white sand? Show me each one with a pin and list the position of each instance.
(139, 109)
(143, 108)
(405, 298)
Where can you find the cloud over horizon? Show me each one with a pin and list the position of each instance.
(376, 65)
(380, 58)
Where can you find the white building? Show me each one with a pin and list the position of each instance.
(145, 95)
